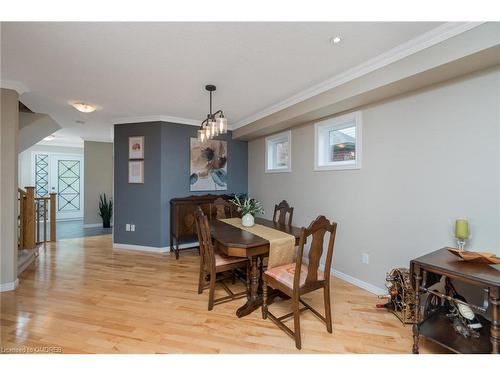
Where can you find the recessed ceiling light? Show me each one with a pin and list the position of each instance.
(49, 138)
(83, 107)
(336, 40)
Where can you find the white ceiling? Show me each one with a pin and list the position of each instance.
(151, 69)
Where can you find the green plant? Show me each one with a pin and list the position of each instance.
(105, 210)
(248, 205)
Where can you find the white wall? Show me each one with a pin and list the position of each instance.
(428, 157)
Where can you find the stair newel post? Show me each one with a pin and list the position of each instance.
(52, 217)
(29, 218)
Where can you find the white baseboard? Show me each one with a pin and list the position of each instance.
(95, 225)
(151, 248)
(9, 286)
(359, 283)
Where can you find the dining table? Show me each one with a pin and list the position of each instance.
(236, 242)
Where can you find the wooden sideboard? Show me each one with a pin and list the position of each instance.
(182, 222)
(438, 327)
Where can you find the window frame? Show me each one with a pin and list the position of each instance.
(270, 142)
(332, 124)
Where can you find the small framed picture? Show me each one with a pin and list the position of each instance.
(136, 147)
(136, 172)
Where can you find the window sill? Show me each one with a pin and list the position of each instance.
(285, 170)
(336, 168)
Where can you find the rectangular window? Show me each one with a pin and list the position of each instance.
(338, 143)
(278, 149)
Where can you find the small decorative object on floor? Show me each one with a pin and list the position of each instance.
(248, 208)
(461, 232)
(401, 296)
(475, 256)
(105, 210)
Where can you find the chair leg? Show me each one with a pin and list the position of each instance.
(296, 321)
(211, 294)
(328, 308)
(233, 278)
(201, 279)
(264, 300)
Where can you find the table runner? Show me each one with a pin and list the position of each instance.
(281, 244)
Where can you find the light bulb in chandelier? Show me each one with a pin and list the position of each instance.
(201, 135)
(213, 128)
(221, 124)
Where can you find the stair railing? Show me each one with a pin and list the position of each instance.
(32, 215)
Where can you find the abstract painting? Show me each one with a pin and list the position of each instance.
(208, 165)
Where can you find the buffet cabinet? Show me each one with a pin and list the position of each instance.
(437, 326)
(182, 221)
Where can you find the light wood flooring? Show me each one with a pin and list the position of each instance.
(85, 297)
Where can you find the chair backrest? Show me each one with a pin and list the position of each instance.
(283, 213)
(205, 240)
(221, 209)
(317, 230)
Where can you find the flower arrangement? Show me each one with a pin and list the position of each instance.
(247, 205)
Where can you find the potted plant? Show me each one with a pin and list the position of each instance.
(105, 210)
(248, 208)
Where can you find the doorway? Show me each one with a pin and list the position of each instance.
(63, 175)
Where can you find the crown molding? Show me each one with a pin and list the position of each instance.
(20, 87)
(91, 139)
(153, 118)
(421, 42)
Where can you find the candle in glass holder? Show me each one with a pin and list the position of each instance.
(461, 229)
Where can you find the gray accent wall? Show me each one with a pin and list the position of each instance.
(166, 176)
(429, 157)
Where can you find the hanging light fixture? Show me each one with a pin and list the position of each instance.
(215, 123)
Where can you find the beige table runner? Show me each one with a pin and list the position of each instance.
(282, 245)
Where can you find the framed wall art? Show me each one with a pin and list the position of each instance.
(208, 165)
(136, 172)
(136, 147)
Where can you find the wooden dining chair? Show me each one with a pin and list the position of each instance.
(213, 264)
(297, 279)
(283, 213)
(221, 209)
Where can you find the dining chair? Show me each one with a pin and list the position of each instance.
(213, 264)
(281, 211)
(221, 209)
(297, 279)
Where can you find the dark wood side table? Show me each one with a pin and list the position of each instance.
(437, 327)
(182, 222)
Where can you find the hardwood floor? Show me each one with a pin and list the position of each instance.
(85, 297)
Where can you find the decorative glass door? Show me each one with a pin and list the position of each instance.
(62, 174)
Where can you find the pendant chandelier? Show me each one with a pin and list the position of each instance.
(214, 124)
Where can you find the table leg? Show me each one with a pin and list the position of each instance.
(495, 320)
(254, 301)
(416, 328)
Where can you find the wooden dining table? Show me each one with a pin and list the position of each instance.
(236, 242)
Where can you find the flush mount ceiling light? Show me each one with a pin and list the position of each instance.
(83, 107)
(214, 124)
(49, 138)
(336, 40)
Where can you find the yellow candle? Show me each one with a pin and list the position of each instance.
(462, 229)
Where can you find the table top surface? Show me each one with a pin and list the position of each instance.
(231, 236)
(444, 261)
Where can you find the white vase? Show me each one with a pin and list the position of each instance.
(247, 220)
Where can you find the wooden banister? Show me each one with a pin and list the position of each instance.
(32, 212)
(52, 217)
(29, 218)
